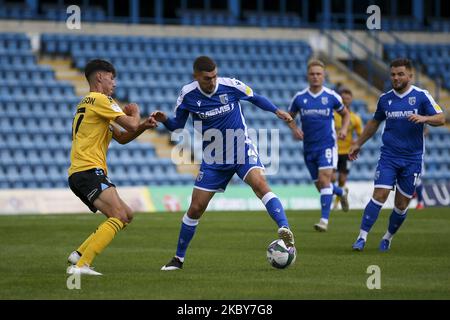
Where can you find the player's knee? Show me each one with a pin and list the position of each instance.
(323, 183)
(124, 218)
(121, 214)
(130, 217)
(261, 189)
(196, 210)
(380, 197)
(401, 205)
(129, 213)
(381, 194)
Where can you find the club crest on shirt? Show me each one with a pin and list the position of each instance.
(324, 100)
(389, 101)
(224, 98)
(412, 101)
(305, 101)
(199, 103)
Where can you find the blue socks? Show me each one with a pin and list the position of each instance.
(187, 232)
(337, 190)
(275, 209)
(326, 198)
(396, 219)
(370, 214)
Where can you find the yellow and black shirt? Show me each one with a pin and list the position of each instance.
(91, 132)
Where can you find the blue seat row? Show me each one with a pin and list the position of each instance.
(49, 12)
(433, 58)
(173, 48)
(287, 20)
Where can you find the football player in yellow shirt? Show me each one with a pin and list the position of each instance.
(343, 167)
(92, 131)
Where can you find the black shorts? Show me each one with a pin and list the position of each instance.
(344, 164)
(87, 185)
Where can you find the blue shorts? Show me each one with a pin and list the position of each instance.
(398, 172)
(215, 177)
(320, 159)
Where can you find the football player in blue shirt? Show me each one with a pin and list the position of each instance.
(316, 105)
(406, 109)
(215, 102)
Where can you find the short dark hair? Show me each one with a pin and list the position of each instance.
(401, 62)
(345, 91)
(204, 63)
(98, 65)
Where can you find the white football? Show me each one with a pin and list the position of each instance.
(279, 255)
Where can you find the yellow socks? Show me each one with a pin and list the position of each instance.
(99, 240)
(336, 202)
(86, 242)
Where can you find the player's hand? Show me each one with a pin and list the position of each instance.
(342, 134)
(150, 123)
(354, 151)
(159, 116)
(297, 133)
(417, 118)
(283, 115)
(131, 109)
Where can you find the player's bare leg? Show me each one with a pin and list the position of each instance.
(199, 203)
(128, 211)
(344, 198)
(335, 176)
(256, 179)
(342, 180)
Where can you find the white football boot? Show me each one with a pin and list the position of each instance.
(287, 236)
(321, 226)
(82, 270)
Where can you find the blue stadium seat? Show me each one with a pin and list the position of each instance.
(39, 114)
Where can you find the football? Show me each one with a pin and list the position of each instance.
(279, 255)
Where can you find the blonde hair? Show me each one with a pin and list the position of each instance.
(316, 63)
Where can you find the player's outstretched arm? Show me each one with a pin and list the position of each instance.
(266, 105)
(285, 116)
(297, 133)
(262, 103)
(368, 132)
(159, 116)
(130, 121)
(123, 137)
(173, 123)
(435, 120)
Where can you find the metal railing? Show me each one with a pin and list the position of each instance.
(417, 65)
(352, 43)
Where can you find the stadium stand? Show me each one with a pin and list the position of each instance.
(434, 58)
(35, 131)
(154, 72)
(37, 108)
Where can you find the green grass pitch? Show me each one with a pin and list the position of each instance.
(226, 259)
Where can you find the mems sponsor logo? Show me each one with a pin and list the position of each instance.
(400, 114)
(216, 112)
(315, 112)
